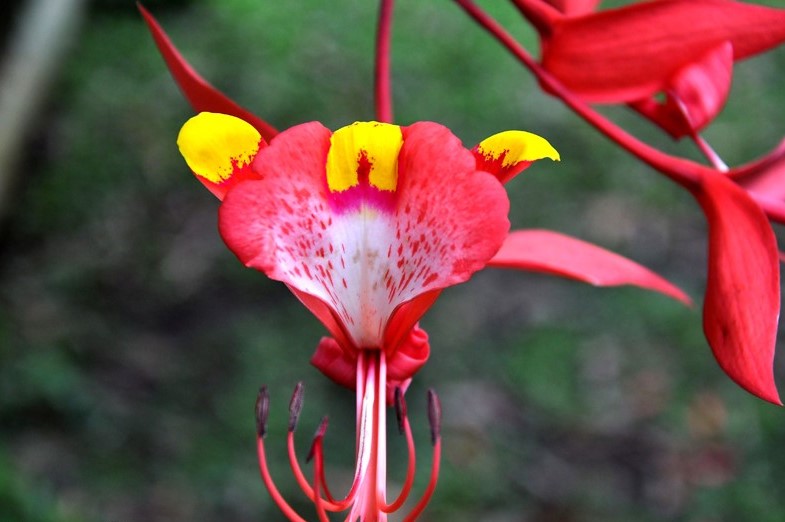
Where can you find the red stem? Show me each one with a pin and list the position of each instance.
(383, 90)
(541, 15)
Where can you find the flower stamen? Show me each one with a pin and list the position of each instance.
(262, 409)
(435, 420)
(318, 470)
(366, 499)
(405, 429)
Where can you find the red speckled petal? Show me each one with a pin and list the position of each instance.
(450, 219)
(447, 221)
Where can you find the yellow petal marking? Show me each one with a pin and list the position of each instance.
(519, 146)
(361, 146)
(215, 144)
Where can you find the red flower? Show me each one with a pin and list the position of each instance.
(366, 225)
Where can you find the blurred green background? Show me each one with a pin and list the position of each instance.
(132, 342)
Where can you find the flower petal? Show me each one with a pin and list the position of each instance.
(220, 150)
(557, 254)
(366, 253)
(341, 366)
(630, 53)
(405, 317)
(507, 154)
(202, 96)
(455, 214)
(695, 95)
(742, 302)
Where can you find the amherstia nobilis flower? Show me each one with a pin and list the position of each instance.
(366, 225)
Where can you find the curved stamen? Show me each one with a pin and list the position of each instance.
(435, 420)
(434, 415)
(285, 508)
(317, 451)
(318, 470)
(302, 481)
(409, 481)
(405, 429)
(366, 499)
(295, 407)
(261, 409)
(426, 497)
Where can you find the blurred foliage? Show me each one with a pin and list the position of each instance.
(132, 343)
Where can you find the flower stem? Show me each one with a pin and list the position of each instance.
(383, 89)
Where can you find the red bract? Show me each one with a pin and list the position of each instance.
(742, 302)
(630, 53)
(201, 95)
(695, 94)
(741, 306)
(681, 48)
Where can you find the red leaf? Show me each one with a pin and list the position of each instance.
(742, 302)
(202, 96)
(630, 53)
(557, 254)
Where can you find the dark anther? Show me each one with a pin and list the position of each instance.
(434, 415)
(262, 409)
(295, 406)
(400, 408)
(319, 435)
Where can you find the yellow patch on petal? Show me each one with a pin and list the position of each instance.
(214, 145)
(517, 146)
(364, 152)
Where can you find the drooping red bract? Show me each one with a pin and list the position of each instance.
(629, 53)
